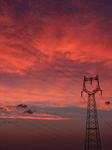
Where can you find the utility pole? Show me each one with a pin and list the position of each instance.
(92, 136)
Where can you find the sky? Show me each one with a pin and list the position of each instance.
(46, 49)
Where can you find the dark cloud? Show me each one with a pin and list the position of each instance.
(22, 106)
(107, 103)
(29, 111)
(34, 17)
(39, 10)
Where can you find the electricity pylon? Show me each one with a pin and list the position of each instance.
(92, 136)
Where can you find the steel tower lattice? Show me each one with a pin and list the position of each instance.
(92, 136)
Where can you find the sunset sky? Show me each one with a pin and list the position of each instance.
(46, 49)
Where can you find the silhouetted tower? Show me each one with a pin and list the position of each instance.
(92, 136)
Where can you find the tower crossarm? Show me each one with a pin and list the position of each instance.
(91, 79)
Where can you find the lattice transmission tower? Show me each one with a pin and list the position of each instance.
(92, 136)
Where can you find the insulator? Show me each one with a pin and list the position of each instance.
(101, 92)
(91, 81)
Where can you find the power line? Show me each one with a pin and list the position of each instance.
(102, 97)
(58, 132)
(36, 76)
(32, 53)
(28, 129)
(43, 135)
(105, 121)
